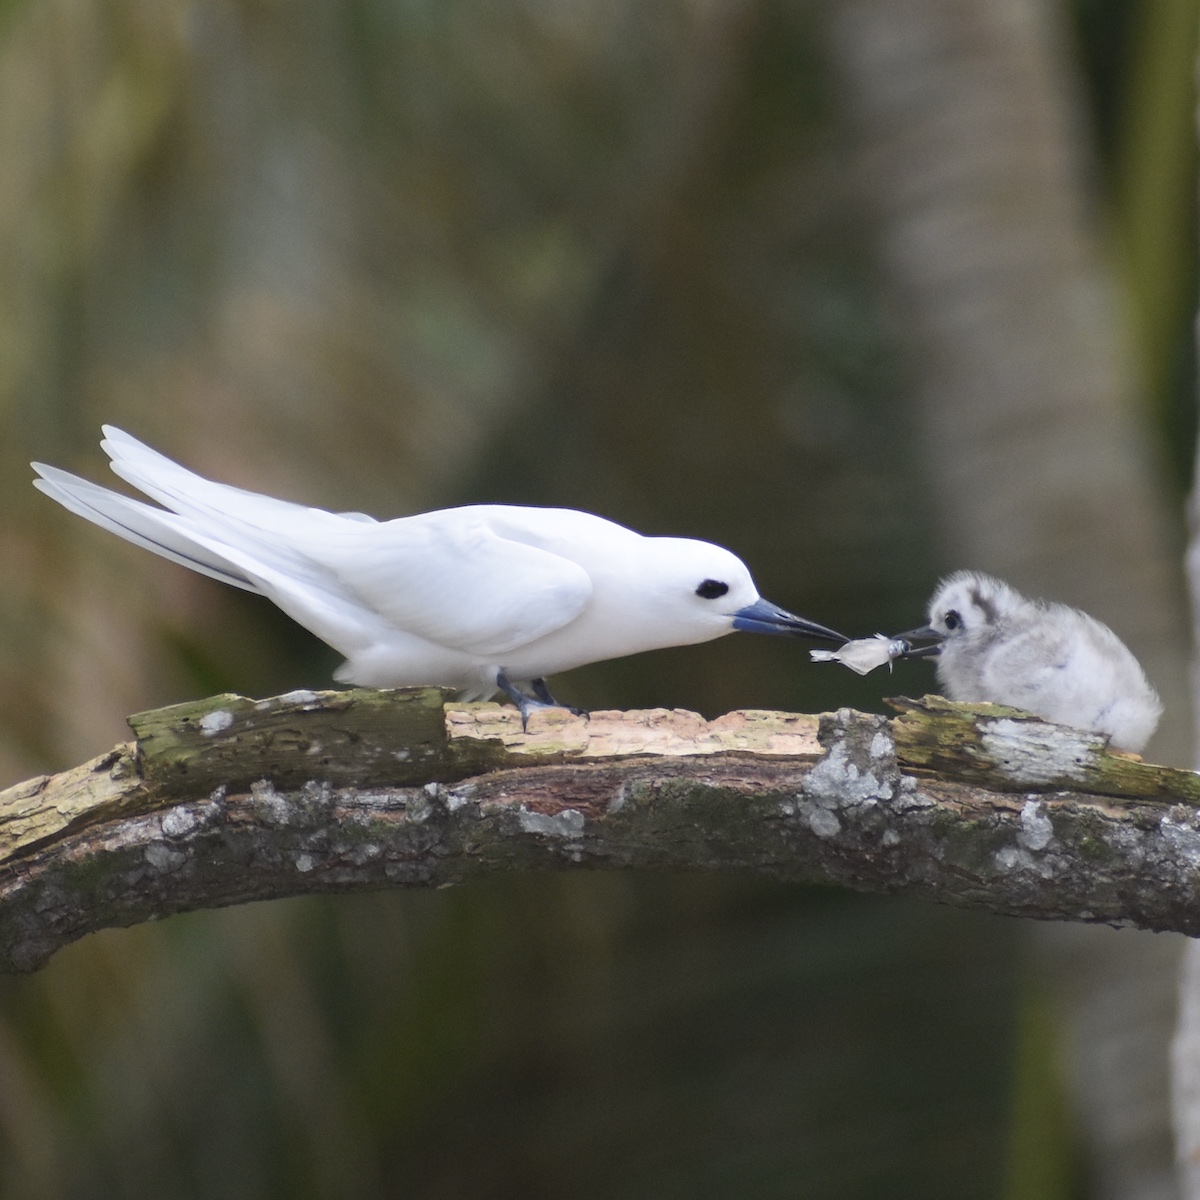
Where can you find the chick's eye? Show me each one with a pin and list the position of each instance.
(710, 589)
(952, 620)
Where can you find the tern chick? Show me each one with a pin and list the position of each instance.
(482, 599)
(992, 644)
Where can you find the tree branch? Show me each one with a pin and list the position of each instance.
(229, 800)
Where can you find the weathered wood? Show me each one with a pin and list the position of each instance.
(964, 804)
(357, 737)
(43, 808)
(1010, 750)
(360, 739)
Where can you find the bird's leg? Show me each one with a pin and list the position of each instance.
(526, 704)
(542, 692)
(540, 699)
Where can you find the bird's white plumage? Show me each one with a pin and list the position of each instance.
(451, 597)
(1048, 659)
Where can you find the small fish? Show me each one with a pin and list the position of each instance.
(863, 655)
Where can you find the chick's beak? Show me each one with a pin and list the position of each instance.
(926, 633)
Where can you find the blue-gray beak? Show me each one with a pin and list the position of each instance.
(764, 617)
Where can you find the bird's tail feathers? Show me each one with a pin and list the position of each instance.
(218, 505)
(296, 585)
(151, 528)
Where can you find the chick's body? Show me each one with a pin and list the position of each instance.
(1048, 659)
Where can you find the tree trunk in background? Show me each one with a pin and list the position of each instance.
(1025, 405)
(1185, 1052)
(1185, 1077)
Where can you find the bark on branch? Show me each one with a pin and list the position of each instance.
(229, 800)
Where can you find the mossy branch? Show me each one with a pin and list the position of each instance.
(229, 800)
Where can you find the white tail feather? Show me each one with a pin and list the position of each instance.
(241, 538)
(148, 527)
(234, 509)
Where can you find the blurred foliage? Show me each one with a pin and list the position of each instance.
(394, 254)
(584, 1036)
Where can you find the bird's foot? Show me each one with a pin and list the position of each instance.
(542, 692)
(528, 705)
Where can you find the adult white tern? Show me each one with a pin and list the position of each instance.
(992, 644)
(482, 598)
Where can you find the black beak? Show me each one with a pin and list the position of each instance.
(764, 617)
(926, 633)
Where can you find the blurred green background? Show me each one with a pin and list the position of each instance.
(864, 290)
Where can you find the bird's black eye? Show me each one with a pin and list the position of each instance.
(952, 620)
(710, 589)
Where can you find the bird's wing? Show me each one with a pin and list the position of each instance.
(1046, 664)
(450, 578)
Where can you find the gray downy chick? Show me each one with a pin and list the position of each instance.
(992, 644)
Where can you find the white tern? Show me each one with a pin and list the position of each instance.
(482, 598)
(992, 644)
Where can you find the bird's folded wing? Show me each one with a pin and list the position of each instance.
(447, 577)
(456, 582)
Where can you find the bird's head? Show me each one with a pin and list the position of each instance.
(964, 606)
(708, 587)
